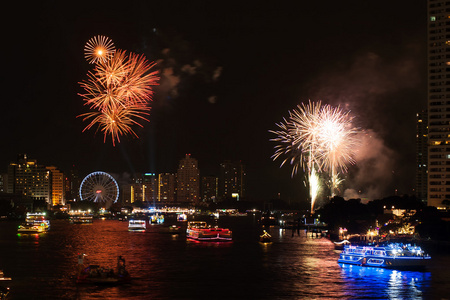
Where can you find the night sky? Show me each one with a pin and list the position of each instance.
(230, 71)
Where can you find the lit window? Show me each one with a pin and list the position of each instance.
(432, 18)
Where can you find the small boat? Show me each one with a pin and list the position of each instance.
(81, 219)
(3, 278)
(157, 219)
(341, 244)
(265, 237)
(136, 225)
(95, 274)
(391, 255)
(174, 229)
(200, 231)
(4, 291)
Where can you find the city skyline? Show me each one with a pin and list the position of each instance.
(228, 74)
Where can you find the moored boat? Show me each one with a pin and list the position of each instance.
(391, 255)
(200, 231)
(136, 225)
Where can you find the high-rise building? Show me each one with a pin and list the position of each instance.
(166, 189)
(232, 180)
(141, 188)
(150, 188)
(210, 189)
(3, 179)
(72, 184)
(422, 156)
(188, 181)
(57, 186)
(28, 178)
(438, 102)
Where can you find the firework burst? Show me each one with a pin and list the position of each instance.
(99, 49)
(119, 91)
(318, 139)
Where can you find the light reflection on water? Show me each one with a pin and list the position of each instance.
(379, 283)
(166, 266)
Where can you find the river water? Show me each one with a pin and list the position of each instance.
(165, 266)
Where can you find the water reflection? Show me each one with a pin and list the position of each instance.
(384, 283)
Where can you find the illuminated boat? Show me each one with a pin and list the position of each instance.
(3, 278)
(34, 223)
(95, 274)
(30, 228)
(392, 255)
(200, 231)
(81, 219)
(156, 219)
(136, 225)
(265, 237)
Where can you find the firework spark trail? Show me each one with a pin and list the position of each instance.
(119, 91)
(116, 122)
(318, 138)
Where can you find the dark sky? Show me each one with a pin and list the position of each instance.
(231, 71)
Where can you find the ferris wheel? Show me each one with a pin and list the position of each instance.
(99, 187)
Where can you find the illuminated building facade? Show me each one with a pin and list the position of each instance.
(57, 186)
(438, 102)
(28, 178)
(166, 188)
(232, 180)
(188, 181)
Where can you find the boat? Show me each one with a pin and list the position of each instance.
(3, 278)
(136, 225)
(95, 274)
(390, 255)
(81, 219)
(265, 237)
(30, 228)
(200, 231)
(34, 223)
(156, 219)
(4, 291)
(341, 244)
(173, 229)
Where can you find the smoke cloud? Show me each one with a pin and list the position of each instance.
(372, 175)
(381, 91)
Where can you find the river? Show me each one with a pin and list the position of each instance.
(165, 266)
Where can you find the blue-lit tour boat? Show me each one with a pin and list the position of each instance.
(200, 231)
(392, 255)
